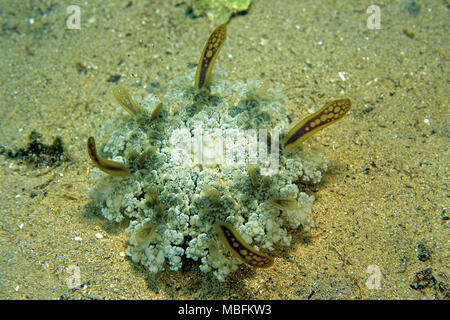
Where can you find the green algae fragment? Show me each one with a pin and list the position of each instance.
(219, 11)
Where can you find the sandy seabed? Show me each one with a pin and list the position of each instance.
(381, 211)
